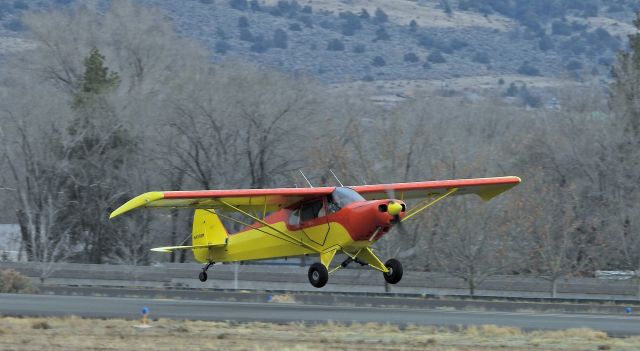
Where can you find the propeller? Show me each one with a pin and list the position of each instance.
(394, 209)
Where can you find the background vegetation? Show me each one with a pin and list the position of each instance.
(111, 102)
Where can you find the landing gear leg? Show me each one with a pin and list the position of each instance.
(203, 275)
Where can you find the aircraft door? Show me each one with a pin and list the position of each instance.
(314, 222)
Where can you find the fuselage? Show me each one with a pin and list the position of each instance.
(343, 221)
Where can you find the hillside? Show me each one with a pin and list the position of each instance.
(343, 41)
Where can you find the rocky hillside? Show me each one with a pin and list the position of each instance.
(339, 41)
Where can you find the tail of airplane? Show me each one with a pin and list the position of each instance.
(208, 231)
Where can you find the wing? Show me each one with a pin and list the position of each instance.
(486, 188)
(262, 200)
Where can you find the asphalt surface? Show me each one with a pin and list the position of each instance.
(118, 307)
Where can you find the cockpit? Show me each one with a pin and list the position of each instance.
(342, 197)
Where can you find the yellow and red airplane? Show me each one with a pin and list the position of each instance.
(324, 221)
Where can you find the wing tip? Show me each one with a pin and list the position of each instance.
(136, 202)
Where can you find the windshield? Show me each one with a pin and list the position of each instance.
(341, 197)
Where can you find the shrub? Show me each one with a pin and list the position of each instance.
(15, 25)
(243, 22)
(574, 65)
(20, 5)
(411, 57)
(481, 57)
(436, 57)
(364, 14)
(413, 26)
(381, 34)
(246, 35)
(545, 43)
(12, 281)
(206, 2)
(295, 27)
(457, 44)
(378, 61)
(335, 45)
(359, 48)
(307, 9)
(306, 20)
(528, 69)
(426, 41)
(259, 45)
(255, 5)
(426, 65)
(222, 46)
(560, 28)
(280, 39)
(239, 4)
(380, 16)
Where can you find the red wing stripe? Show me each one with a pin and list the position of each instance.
(438, 184)
(197, 194)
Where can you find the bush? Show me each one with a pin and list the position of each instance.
(426, 65)
(335, 45)
(364, 14)
(560, 28)
(413, 26)
(436, 57)
(457, 44)
(307, 9)
(246, 35)
(222, 47)
(378, 61)
(12, 281)
(239, 4)
(306, 20)
(20, 5)
(15, 25)
(295, 27)
(280, 39)
(411, 57)
(259, 45)
(243, 22)
(574, 65)
(380, 16)
(381, 34)
(528, 69)
(359, 48)
(426, 41)
(255, 5)
(545, 43)
(481, 57)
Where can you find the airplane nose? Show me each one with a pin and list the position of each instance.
(394, 208)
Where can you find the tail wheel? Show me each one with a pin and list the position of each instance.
(202, 276)
(395, 271)
(318, 275)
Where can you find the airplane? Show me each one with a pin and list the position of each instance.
(323, 221)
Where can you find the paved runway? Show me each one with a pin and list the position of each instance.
(117, 307)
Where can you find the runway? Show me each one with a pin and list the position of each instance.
(118, 307)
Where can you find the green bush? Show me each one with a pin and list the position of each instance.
(12, 281)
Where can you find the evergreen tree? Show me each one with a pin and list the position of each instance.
(626, 88)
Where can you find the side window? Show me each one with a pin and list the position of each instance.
(294, 217)
(332, 205)
(312, 210)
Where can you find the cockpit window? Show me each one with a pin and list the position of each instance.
(342, 197)
(312, 210)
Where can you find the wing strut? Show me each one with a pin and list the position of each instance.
(297, 241)
(426, 204)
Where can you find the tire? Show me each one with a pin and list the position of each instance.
(202, 276)
(318, 275)
(395, 271)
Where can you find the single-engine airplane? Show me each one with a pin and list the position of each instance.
(324, 221)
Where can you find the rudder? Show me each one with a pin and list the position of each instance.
(207, 230)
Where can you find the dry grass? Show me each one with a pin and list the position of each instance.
(73, 333)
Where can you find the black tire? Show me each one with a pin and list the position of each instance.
(395, 271)
(202, 276)
(318, 275)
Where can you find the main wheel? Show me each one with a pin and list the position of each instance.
(318, 275)
(202, 276)
(395, 271)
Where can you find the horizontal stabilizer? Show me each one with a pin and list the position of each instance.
(171, 248)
